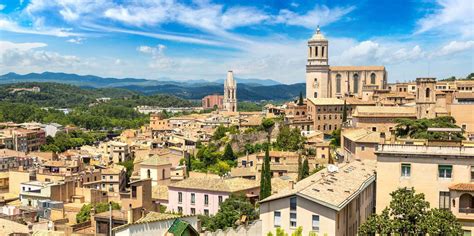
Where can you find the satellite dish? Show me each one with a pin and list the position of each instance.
(332, 168)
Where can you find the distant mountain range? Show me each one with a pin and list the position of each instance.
(247, 89)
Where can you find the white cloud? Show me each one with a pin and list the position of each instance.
(454, 17)
(11, 26)
(76, 40)
(2, 7)
(454, 47)
(320, 15)
(28, 56)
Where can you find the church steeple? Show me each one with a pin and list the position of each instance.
(230, 93)
(317, 67)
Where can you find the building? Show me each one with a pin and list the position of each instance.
(230, 93)
(380, 118)
(114, 178)
(326, 113)
(360, 144)
(204, 195)
(444, 174)
(214, 101)
(425, 98)
(158, 169)
(324, 81)
(34, 191)
(296, 116)
(158, 123)
(115, 152)
(326, 203)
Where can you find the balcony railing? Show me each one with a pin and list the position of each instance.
(466, 210)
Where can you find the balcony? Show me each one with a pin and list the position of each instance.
(467, 210)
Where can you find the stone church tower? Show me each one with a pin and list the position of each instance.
(317, 67)
(230, 93)
(425, 98)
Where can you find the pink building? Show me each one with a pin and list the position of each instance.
(204, 195)
(209, 101)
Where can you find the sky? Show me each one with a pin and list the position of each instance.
(203, 39)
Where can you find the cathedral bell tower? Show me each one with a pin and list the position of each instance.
(230, 93)
(425, 98)
(317, 68)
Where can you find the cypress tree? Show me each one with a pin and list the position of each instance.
(266, 177)
(300, 101)
(228, 153)
(344, 113)
(305, 169)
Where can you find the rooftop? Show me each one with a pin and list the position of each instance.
(218, 185)
(362, 135)
(326, 101)
(356, 68)
(334, 190)
(467, 187)
(384, 111)
(156, 161)
(425, 150)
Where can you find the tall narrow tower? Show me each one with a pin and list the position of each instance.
(317, 68)
(425, 98)
(230, 93)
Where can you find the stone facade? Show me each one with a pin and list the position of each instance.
(230, 93)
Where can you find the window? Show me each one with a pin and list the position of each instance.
(362, 147)
(406, 170)
(372, 78)
(338, 83)
(180, 209)
(427, 92)
(356, 82)
(316, 223)
(148, 173)
(111, 177)
(293, 212)
(220, 199)
(206, 199)
(193, 211)
(292, 220)
(193, 198)
(444, 200)
(103, 177)
(244, 163)
(277, 159)
(445, 171)
(180, 197)
(276, 219)
(163, 174)
(206, 212)
(472, 173)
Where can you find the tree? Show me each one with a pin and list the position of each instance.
(229, 213)
(85, 213)
(305, 169)
(266, 177)
(418, 129)
(228, 153)
(289, 139)
(335, 138)
(344, 113)
(300, 100)
(268, 125)
(409, 214)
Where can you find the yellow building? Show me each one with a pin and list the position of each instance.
(326, 203)
(444, 174)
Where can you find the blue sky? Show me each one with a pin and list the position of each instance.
(201, 39)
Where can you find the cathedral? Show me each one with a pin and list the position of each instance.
(324, 81)
(230, 93)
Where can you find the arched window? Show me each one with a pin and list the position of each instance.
(163, 174)
(427, 92)
(466, 202)
(338, 83)
(316, 51)
(322, 51)
(297, 113)
(356, 83)
(315, 94)
(372, 78)
(310, 51)
(148, 173)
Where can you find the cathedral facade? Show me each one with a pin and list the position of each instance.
(230, 93)
(324, 81)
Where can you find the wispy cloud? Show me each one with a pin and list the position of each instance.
(12, 26)
(454, 17)
(320, 15)
(454, 47)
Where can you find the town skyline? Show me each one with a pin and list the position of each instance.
(202, 40)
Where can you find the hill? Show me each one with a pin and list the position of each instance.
(248, 89)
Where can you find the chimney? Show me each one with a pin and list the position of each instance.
(130, 214)
(291, 184)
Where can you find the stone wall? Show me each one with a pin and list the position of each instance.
(255, 228)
